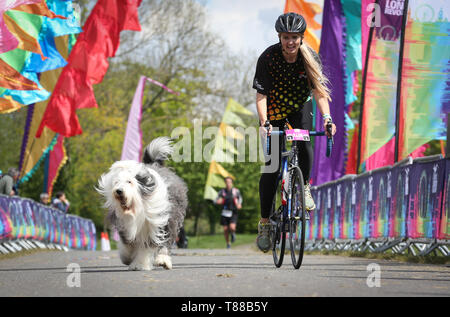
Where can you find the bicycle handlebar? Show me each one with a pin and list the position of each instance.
(311, 133)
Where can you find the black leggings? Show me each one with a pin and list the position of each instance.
(267, 183)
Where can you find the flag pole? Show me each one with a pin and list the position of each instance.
(399, 83)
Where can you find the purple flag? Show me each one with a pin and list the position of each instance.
(332, 53)
(132, 145)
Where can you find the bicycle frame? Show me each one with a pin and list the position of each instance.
(283, 219)
(284, 169)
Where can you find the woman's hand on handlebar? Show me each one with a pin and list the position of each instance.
(266, 129)
(333, 128)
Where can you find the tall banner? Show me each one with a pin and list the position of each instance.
(332, 52)
(425, 85)
(380, 82)
(132, 145)
(35, 150)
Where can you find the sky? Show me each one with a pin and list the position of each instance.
(247, 25)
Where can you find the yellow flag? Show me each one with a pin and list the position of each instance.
(224, 150)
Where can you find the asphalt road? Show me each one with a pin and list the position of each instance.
(222, 273)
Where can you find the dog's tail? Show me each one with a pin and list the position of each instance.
(158, 151)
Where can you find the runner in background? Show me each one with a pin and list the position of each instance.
(230, 199)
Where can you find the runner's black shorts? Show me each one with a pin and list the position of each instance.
(225, 221)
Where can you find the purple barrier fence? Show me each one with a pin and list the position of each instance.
(444, 231)
(22, 218)
(400, 200)
(403, 201)
(425, 201)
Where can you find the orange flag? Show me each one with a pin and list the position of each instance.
(308, 10)
(7, 105)
(12, 79)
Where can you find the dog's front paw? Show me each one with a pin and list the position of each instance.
(139, 267)
(164, 261)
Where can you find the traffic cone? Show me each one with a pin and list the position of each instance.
(106, 246)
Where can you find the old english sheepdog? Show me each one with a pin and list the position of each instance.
(147, 204)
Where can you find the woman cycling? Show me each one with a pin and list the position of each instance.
(287, 75)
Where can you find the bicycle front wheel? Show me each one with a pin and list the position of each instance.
(297, 221)
(278, 243)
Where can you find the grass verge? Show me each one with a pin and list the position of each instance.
(217, 241)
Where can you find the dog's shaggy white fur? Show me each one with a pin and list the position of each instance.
(147, 204)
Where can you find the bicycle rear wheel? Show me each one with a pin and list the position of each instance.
(277, 231)
(297, 222)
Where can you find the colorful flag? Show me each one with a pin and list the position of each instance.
(39, 8)
(380, 86)
(7, 105)
(35, 28)
(9, 30)
(36, 150)
(88, 64)
(353, 62)
(425, 85)
(12, 79)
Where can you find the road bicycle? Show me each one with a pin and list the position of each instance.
(288, 214)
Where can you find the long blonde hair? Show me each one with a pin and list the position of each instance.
(314, 72)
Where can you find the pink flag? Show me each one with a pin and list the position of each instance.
(132, 145)
(57, 159)
(383, 157)
(157, 83)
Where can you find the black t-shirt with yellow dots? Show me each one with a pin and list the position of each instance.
(285, 84)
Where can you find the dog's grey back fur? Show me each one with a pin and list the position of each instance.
(177, 197)
(155, 154)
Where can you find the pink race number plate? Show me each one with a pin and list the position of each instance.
(297, 135)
